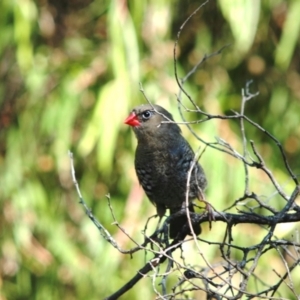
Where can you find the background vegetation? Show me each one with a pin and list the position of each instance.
(70, 73)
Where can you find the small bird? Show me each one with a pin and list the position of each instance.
(163, 159)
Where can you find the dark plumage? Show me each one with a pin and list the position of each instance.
(162, 161)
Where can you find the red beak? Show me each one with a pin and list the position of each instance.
(132, 120)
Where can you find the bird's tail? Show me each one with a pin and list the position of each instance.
(176, 225)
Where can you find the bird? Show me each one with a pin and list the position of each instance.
(163, 159)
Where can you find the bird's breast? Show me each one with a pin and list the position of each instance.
(161, 177)
(162, 169)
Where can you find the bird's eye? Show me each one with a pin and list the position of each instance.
(146, 114)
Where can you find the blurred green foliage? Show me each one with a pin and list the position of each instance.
(70, 73)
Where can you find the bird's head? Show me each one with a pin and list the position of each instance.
(151, 120)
